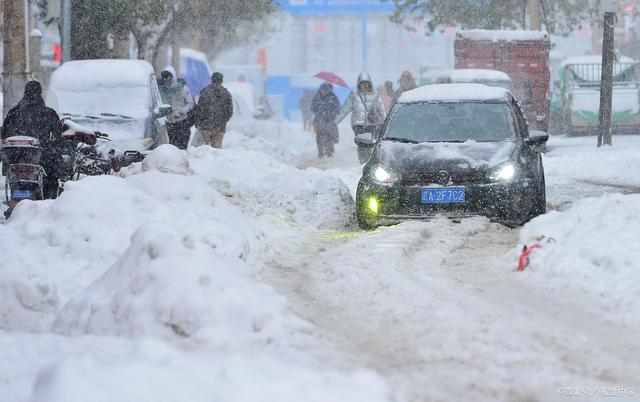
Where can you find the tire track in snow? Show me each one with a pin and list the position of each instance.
(435, 308)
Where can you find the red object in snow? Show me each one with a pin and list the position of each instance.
(523, 261)
(332, 78)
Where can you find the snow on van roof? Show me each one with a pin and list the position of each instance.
(454, 93)
(470, 74)
(593, 59)
(88, 74)
(504, 35)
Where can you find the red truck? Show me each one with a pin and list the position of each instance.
(523, 55)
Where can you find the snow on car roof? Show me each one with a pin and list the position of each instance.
(454, 93)
(504, 35)
(470, 74)
(88, 74)
(593, 59)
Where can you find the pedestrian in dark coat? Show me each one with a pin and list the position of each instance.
(325, 106)
(30, 117)
(213, 112)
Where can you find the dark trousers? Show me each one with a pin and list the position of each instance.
(179, 133)
(325, 142)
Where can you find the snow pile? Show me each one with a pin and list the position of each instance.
(177, 281)
(167, 158)
(593, 248)
(575, 168)
(264, 187)
(155, 372)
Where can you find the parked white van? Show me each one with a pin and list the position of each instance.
(117, 97)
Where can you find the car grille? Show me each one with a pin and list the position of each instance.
(424, 179)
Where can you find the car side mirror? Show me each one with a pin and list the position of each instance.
(365, 140)
(537, 137)
(163, 111)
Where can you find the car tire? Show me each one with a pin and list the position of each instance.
(540, 203)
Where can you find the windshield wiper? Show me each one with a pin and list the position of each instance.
(403, 140)
(116, 115)
(82, 116)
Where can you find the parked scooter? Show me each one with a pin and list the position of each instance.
(81, 156)
(21, 165)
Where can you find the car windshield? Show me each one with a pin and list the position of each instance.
(450, 122)
(105, 102)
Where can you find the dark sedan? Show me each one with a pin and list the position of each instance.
(456, 150)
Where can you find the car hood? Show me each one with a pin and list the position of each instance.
(453, 157)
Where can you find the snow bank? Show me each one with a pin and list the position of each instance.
(167, 158)
(175, 282)
(592, 248)
(264, 187)
(575, 168)
(454, 93)
(156, 372)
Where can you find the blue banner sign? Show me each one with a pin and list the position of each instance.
(336, 7)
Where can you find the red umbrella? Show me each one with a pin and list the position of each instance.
(332, 78)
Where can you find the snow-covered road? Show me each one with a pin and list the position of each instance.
(92, 286)
(437, 309)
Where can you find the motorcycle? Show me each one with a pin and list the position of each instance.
(21, 160)
(81, 157)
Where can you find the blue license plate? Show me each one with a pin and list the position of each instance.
(446, 195)
(20, 194)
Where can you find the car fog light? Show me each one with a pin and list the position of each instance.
(373, 205)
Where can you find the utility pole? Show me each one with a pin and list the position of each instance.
(534, 15)
(606, 80)
(16, 59)
(66, 30)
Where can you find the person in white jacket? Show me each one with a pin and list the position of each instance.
(175, 93)
(365, 105)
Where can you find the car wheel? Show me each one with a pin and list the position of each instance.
(540, 203)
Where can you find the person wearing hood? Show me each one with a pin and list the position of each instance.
(366, 107)
(30, 117)
(175, 93)
(406, 83)
(325, 107)
(214, 111)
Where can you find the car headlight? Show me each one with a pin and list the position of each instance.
(383, 175)
(504, 172)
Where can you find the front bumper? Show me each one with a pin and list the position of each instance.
(503, 202)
